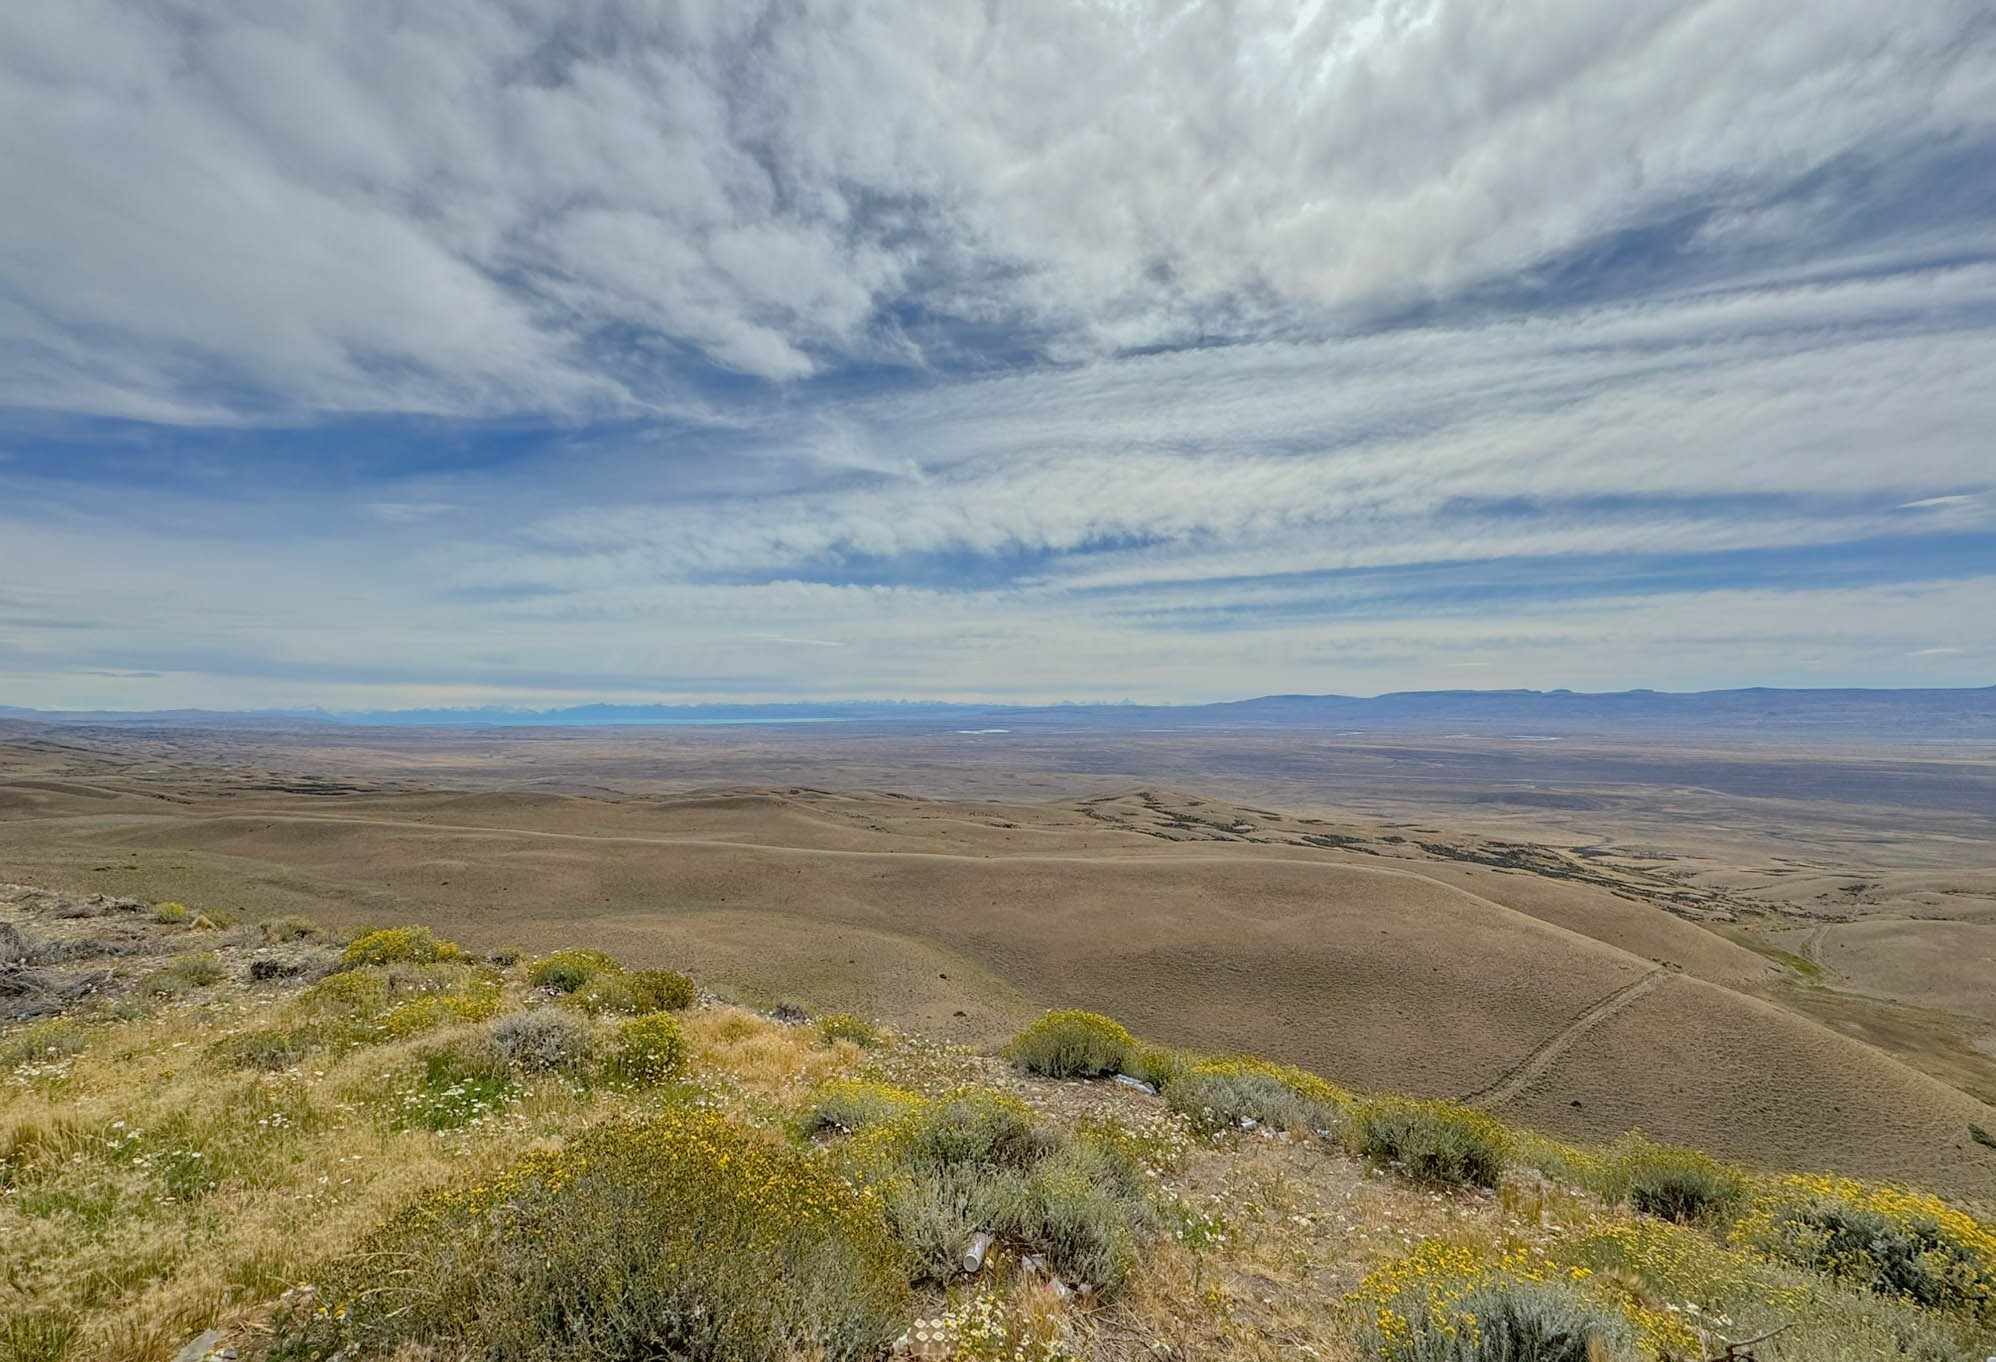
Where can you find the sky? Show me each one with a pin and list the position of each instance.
(367, 355)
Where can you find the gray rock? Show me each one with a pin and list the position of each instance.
(1130, 1081)
(199, 1347)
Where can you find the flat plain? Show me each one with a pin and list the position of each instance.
(1780, 952)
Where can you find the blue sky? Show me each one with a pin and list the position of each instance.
(369, 355)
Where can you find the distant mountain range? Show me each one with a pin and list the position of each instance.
(1829, 714)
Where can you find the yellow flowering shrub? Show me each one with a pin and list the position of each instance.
(566, 971)
(1448, 1302)
(1434, 1141)
(1222, 1093)
(648, 1051)
(679, 1235)
(854, 1104)
(398, 946)
(1072, 1045)
(1890, 1240)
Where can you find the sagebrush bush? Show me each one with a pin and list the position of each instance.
(1222, 1094)
(662, 990)
(398, 946)
(1884, 1239)
(545, 1039)
(845, 1026)
(1676, 1184)
(852, 1104)
(1433, 1141)
(975, 1160)
(566, 971)
(1072, 1044)
(680, 1235)
(171, 914)
(648, 1051)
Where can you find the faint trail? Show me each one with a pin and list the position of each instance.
(1514, 1080)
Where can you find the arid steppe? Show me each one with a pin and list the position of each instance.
(1781, 955)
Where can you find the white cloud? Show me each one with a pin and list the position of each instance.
(462, 207)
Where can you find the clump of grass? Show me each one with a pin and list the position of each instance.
(350, 993)
(566, 971)
(433, 1010)
(214, 919)
(290, 927)
(399, 946)
(1681, 1185)
(851, 1104)
(648, 1051)
(266, 1049)
(1072, 1044)
(662, 990)
(40, 1042)
(1223, 1094)
(172, 914)
(1884, 1239)
(1433, 1141)
(845, 1026)
(38, 1335)
(676, 1235)
(184, 973)
(545, 1039)
(460, 1084)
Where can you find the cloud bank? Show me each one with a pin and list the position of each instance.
(527, 350)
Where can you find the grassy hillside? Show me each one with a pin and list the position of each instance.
(384, 1146)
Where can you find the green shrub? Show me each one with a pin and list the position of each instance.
(662, 990)
(680, 1235)
(1682, 1185)
(350, 993)
(974, 1160)
(1230, 1094)
(42, 1041)
(438, 1009)
(1433, 1141)
(968, 1126)
(171, 914)
(1884, 1239)
(602, 993)
(398, 946)
(545, 1039)
(649, 1051)
(1072, 1045)
(291, 927)
(849, 1105)
(845, 1026)
(566, 971)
